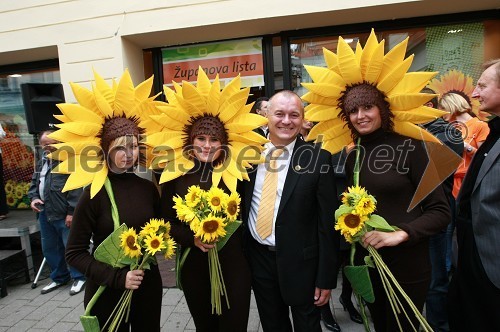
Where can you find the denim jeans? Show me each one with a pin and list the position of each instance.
(54, 238)
(436, 304)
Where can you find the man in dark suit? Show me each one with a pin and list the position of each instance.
(474, 292)
(294, 262)
(260, 107)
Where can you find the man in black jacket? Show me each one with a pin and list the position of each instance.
(55, 213)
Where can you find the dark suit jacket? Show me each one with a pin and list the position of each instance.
(306, 243)
(486, 213)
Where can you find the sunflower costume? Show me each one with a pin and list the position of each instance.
(368, 77)
(223, 114)
(88, 129)
(454, 81)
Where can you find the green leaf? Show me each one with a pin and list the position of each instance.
(110, 251)
(230, 229)
(343, 209)
(379, 223)
(369, 261)
(360, 281)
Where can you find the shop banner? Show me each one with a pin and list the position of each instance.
(227, 59)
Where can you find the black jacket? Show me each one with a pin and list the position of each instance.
(57, 205)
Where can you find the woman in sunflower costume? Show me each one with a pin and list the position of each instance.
(101, 148)
(207, 140)
(367, 96)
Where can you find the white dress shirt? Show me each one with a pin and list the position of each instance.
(282, 165)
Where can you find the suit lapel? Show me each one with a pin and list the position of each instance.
(291, 177)
(487, 163)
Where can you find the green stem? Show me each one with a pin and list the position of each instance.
(93, 300)
(384, 270)
(356, 164)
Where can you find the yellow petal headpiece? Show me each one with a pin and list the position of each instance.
(86, 125)
(189, 104)
(368, 66)
(455, 81)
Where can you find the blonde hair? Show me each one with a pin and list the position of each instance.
(454, 103)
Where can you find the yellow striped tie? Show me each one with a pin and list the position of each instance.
(264, 224)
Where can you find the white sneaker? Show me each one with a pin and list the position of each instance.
(52, 286)
(77, 287)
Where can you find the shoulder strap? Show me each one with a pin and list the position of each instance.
(114, 209)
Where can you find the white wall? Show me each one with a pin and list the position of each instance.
(109, 35)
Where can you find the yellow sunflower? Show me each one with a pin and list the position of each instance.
(216, 198)
(350, 223)
(184, 212)
(194, 224)
(365, 206)
(232, 206)
(82, 125)
(128, 241)
(154, 243)
(211, 229)
(153, 226)
(457, 82)
(188, 104)
(367, 66)
(353, 195)
(193, 196)
(170, 248)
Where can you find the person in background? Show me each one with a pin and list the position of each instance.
(55, 215)
(474, 291)
(305, 129)
(435, 305)
(4, 209)
(474, 132)
(287, 211)
(260, 107)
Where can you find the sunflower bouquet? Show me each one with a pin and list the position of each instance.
(354, 218)
(125, 247)
(211, 216)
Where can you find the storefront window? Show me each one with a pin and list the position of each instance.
(18, 145)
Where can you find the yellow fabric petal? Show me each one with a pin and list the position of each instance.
(324, 89)
(249, 137)
(80, 128)
(217, 175)
(418, 115)
(165, 121)
(104, 107)
(322, 114)
(230, 89)
(75, 112)
(348, 64)
(143, 90)
(230, 181)
(125, 95)
(413, 82)
(409, 101)
(203, 83)
(61, 118)
(84, 97)
(414, 131)
(322, 127)
(245, 122)
(62, 135)
(389, 81)
(394, 57)
(324, 75)
(335, 145)
(104, 89)
(313, 98)
(193, 98)
(234, 105)
(214, 97)
(98, 181)
(89, 147)
(375, 65)
(330, 58)
(368, 51)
